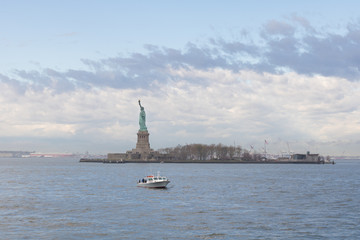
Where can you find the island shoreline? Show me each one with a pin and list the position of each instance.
(100, 160)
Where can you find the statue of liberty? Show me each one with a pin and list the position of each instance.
(142, 118)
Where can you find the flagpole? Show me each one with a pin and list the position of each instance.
(265, 149)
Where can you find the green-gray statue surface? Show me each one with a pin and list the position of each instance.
(142, 118)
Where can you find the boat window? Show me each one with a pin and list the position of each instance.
(150, 179)
(156, 178)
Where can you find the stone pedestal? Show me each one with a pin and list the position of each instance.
(143, 144)
(142, 152)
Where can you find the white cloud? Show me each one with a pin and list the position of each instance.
(246, 106)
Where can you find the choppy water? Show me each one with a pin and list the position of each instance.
(65, 199)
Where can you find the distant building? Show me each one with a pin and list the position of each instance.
(14, 154)
(311, 158)
(51, 155)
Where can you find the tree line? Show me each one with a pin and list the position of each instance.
(205, 152)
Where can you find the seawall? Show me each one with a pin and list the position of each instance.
(104, 160)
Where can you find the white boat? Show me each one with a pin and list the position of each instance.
(152, 181)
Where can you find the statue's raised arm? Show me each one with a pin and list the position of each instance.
(142, 118)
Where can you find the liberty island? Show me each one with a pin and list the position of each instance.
(198, 153)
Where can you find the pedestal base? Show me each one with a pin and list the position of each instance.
(143, 144)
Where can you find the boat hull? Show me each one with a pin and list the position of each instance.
(160, 184)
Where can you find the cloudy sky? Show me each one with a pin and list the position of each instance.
(231, 72)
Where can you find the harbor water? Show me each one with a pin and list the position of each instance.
(60, 198)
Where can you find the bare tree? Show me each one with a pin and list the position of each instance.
(231, 151)
(238, 151)
(211, 148)
(205, 152)
(247, 156)
(222, 151)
